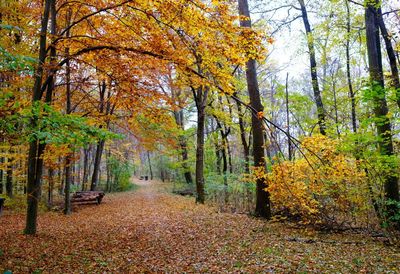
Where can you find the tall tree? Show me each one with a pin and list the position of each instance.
(348, 69)
(263, 207)
(313, 69)
(35, 162)
(383, 124)
(200, 96)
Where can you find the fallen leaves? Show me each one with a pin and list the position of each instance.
(151, 231)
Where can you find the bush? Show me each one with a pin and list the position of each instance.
(325, 186)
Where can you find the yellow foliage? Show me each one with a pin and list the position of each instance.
(325, 185)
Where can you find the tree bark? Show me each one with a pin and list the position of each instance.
(96, 165)
(9, 178)
(51, 188)
(245, 145)
(179, 119)
(100, 143)
(290, 153)
(85, 176)
(200, 96)
(68, 158)
(150, 169)
(263, 207)
(383, 125)
(348, 70)
(35, 161)
(313, 69)
(391, 55)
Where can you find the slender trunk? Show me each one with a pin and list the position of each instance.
(336, 107)
(51, 188)
(228, 149)
(179, 119)
(68, 158)
(245, 145)
(200, 99)
(85, 176)
(1, 171)
(96, 165)
(100, 143)
(263, 207)
(150, 169)
(391, 55)
(9, 178)
(67, 191)
(35, 161)
(383, 126)
(108, 167)
(313, 69)
(218, 155)
(348, 70)
(290, 156)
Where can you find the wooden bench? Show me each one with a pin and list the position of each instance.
(88, 197)
(2, 200)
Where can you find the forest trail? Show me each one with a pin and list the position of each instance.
(152, 231)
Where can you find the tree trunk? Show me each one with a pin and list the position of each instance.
(67, 191)
(179, 119)
(100, 143)
(383, 125)
(245, 145)
(68, 158)
(313, 69)
(9, 178)
(85, 176)
(35, 161)
(290, 153)
(200, 96)
(96, 165)
(348, 71)
(263, 207)
(150, 169)
(51, 188)
(391, 55)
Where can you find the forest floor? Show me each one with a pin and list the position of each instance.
(152, 231)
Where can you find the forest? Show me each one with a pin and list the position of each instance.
(199, 136)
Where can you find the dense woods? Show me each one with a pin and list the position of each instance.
(283, 110)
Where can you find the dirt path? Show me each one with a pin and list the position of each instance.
(151, 231)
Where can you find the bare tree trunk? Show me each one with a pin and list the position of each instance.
(200, 96)
(263, 207)
(290, 153)
(348, 71)
(150, 169)
(179, 119)
(383, 126)
(313, 69)
(85, 176)
(35, 161)
(96, 165)
(100, 143)
(68, 158)
(391, 55)
(51, 188)
(9, 178)
(245, 145)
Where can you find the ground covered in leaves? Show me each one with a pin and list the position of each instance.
(152, 231)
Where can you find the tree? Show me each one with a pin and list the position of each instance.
(35, 163)
(313, 69)
(383, 124)
(263, 207)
